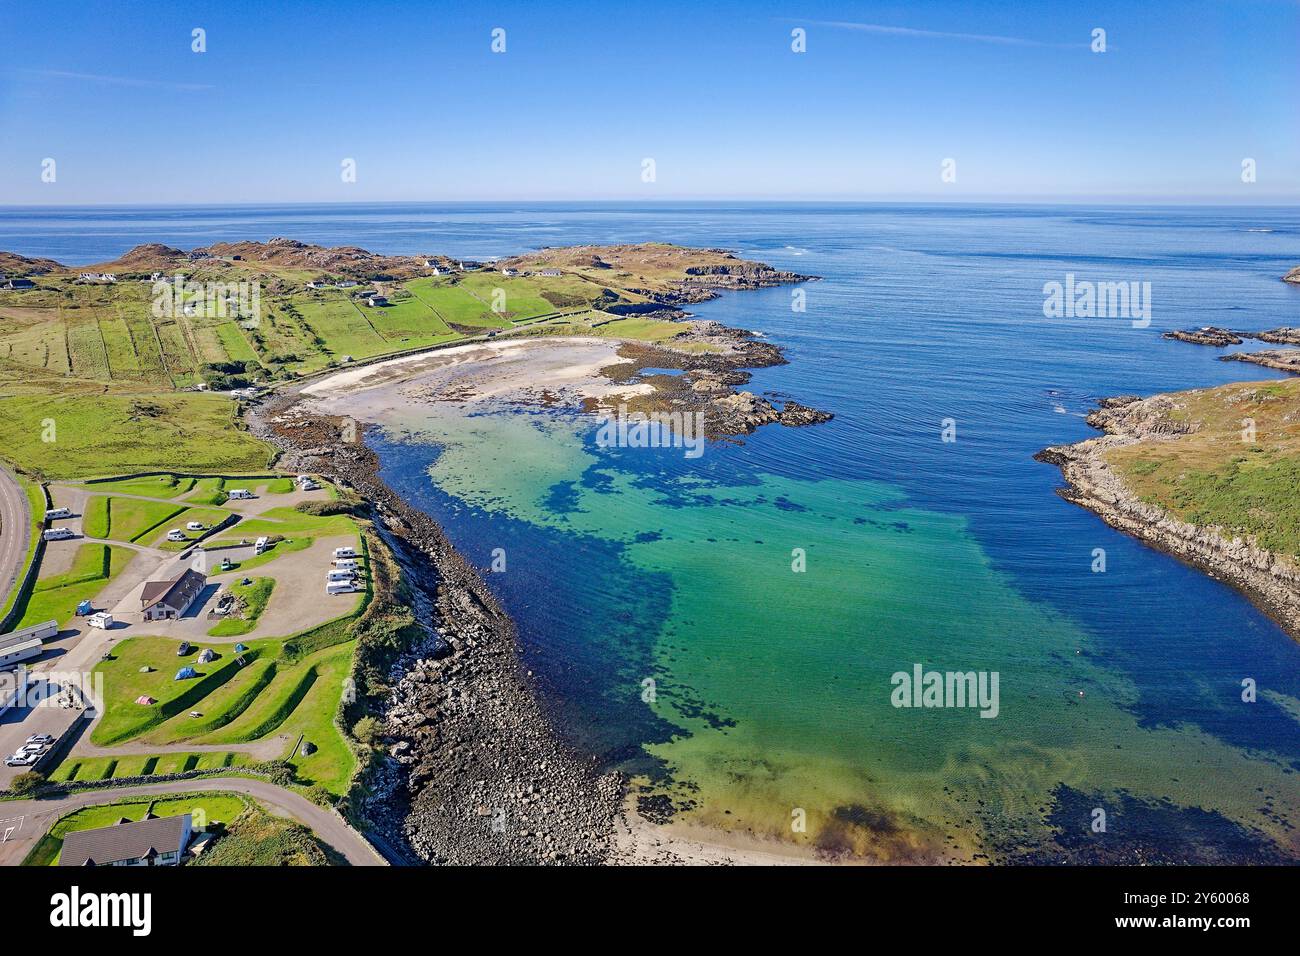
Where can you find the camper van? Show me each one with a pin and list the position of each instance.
(239, 493)
(345, 552)
(176, 534)
(340, 587)
(344, 563)
(57, 534)
(103, 620)
(260, 545)
(194, 526)
(340, 574)
(52, 513)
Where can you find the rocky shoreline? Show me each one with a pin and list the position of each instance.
(473, 772)
(1270, 583)
(709, 381)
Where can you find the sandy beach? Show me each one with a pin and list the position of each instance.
(513, 371)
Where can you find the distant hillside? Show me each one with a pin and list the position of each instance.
(656, 268)
(12, 264)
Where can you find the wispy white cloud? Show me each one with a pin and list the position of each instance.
(885, 30)
(117, 80)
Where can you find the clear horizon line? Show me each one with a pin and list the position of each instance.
(990, 200)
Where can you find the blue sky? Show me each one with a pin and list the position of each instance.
(711, 91)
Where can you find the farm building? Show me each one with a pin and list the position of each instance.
(377, 300)
(15, 284)
(168, 600)
(160, 841)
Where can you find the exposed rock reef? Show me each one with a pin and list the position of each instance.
(1284, 360)
(709, 380)
(1270, 581)
(1292, 276)
(1220, 338)
(1207, 335)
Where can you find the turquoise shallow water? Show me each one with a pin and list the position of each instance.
(772, 687)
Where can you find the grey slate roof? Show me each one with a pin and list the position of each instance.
(125, 841)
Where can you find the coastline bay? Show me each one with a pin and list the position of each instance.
(772, 687)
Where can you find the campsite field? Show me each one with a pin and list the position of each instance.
(274, 693)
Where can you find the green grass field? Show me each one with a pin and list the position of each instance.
(56, 598)
(82, 436)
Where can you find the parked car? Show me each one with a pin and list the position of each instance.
(183, 649)
(41, 739)
(22, 760)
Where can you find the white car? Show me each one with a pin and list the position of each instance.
(22, 760)
(194, 526)
(40, 739)
(176, 534)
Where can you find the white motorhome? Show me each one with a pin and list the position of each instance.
(340, 587)
(239, 493)
(58, 534)
(340, 574)
(58, 513)
(103, 620)
(260, 545)
(345, 552)
(176, 534)
(344, 563)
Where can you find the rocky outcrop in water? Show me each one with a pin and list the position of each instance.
(1284, 360)
(1207, 335)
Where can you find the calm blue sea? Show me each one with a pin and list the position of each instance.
(924, 313)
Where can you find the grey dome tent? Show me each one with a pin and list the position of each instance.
(185, 673)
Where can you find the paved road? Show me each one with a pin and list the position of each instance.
(26, 821)
(15, 531)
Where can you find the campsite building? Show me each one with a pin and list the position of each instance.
(157, 842)
(168, 600)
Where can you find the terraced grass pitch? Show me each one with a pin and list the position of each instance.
(275, 693)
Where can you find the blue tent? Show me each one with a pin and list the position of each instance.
(185, 673)
(240, 648)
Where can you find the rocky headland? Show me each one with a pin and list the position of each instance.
(1270, 580)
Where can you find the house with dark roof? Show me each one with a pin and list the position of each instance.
(168, 600)
(160, 841)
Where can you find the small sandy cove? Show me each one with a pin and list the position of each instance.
(524, 371)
